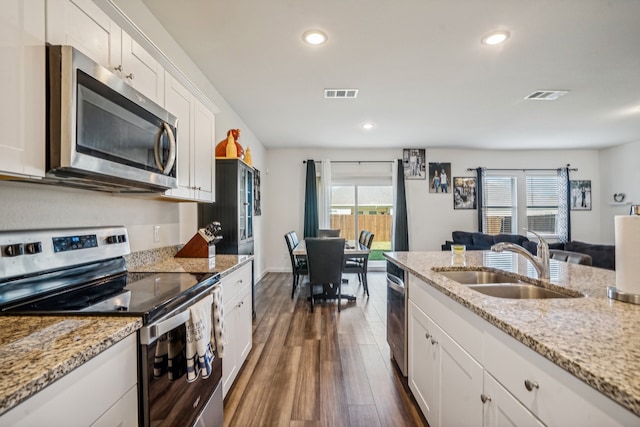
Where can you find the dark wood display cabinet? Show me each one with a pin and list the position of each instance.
(233, 207)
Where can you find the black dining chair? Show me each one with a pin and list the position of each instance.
(325, 258)
(359, 265)
(298, 264)
(328, 232)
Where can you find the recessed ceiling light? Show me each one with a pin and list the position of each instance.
(367, 126)
(495, 37)
(314, 37)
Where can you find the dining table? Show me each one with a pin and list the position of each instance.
(352, 249)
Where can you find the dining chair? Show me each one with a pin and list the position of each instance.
(298, 264)
(325, 258)
(359, 265)
(328, 232)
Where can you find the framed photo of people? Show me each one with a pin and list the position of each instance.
(464, 193)
(580, 194)
(439, 177)
(413, 160)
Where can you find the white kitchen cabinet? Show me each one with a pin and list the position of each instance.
(22, 85)
(102, 391)
(195, 141)
(82, 24)
(524, 387)
(446, 380)
(501, 409)
(236, 294)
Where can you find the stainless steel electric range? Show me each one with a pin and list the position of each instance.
(82, 271)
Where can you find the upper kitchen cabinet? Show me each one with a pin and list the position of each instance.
(82, 24)
(22, 84)
(233, 207)
(195, 141)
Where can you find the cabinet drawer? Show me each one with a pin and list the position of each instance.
(556, 397)
(461, 324)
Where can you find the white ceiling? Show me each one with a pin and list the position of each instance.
(425, 79)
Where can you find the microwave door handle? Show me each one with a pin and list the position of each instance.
(172, 149)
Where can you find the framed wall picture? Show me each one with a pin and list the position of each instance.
(413, 160)
(439, 177)
(580, 195)
(464, 193)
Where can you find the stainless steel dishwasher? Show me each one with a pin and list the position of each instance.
(397, 315)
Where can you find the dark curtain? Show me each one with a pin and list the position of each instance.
(401, 226)
(479, 197)
(311, 202)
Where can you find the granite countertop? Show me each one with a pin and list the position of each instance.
(37, 350)
(594, 338)
(225, 264)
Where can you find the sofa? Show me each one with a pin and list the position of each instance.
(602, 256)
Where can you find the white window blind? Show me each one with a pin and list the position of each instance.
(517, 200)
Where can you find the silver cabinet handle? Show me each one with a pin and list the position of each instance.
(129, 76)
(427, 335)
(118, 68)
(530, 385)
(485, 398)
(433, 341)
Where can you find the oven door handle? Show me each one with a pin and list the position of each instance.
(149, 334)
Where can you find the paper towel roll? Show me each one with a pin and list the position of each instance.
(628, 254)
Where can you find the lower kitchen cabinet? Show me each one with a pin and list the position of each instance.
(101, 392)
(446, 380)
(485, 377)
(238, 326)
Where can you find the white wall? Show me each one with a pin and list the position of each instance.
(431, 216)
(619, 173)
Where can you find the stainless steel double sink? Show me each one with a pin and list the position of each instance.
(502, 285)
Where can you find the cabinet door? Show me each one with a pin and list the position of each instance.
(242, 203)
(249, 202)
(141, 70)
(180, 102)
(501, 409)
(230, 359)
(460, 384)
(204, 149)
(245, 327)
(423, 362)
(22, 85)
(82, 24)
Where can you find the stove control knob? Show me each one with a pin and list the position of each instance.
(33, 248)
(123, 238)
(112, 239)
(14, 250)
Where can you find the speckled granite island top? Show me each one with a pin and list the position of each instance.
(594, 338)
(37, 350)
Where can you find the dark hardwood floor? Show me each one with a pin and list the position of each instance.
(326, 368)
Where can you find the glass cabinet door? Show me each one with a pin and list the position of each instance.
(249, 203)
(242, 201)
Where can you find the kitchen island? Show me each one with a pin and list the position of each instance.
(591, 337)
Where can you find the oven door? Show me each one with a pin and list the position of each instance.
(166, 398)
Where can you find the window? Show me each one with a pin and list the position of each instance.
(514, 201)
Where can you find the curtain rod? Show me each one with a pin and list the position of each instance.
(524, 169)
(354, 161)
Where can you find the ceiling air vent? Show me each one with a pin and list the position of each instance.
(546, 95)
(341, 93)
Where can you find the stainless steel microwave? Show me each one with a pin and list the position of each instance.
(102, 133)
